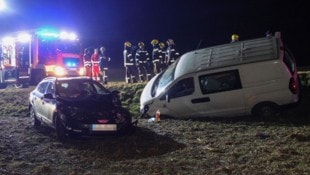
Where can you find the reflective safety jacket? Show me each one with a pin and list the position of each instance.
(87, 60)
(156, 54)
(128, 58)
(142, 56)
(171, 54)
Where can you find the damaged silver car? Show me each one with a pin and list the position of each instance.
(78, 106)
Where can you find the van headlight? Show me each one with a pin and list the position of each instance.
(60, 71)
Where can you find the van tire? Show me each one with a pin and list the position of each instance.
(265, 110)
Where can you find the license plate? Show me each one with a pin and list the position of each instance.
(103, 127)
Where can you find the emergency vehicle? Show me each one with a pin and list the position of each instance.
(29, 56)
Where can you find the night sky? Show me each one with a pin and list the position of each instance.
(112, 22)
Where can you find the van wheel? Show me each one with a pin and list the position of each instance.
(265, 110)
(34, 121)
(60, 130)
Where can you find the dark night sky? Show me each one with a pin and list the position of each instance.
(112, 22)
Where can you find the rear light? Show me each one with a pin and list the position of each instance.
(293, 86)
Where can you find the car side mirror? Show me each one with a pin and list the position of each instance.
(48, 96)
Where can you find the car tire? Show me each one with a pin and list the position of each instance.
(128, 128)
(34, 121)
(60, 130)
(266, 110)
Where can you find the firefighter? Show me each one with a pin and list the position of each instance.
(143, 62)
(129, 63)
(87, 62)
(95, 64)
(103, 65)
(162, 56)
(171, 53)
(234, 38)
(156, 56)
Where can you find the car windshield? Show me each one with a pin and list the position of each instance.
(164, 79)
(79, 89)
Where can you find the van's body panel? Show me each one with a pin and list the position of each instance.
(225, 80)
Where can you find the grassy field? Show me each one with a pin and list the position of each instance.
(241, 145)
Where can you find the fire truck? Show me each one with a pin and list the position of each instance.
(29, 56)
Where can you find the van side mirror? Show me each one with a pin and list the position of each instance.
(48, 96)
(167, 98)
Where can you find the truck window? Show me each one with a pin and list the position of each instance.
(182, 88)
(218, 82)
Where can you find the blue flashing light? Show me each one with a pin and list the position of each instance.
(71, 62)
(50, 33)
(46, 33)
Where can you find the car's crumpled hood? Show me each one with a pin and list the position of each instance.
(89, 109)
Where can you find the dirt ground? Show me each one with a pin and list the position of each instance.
(220, 146)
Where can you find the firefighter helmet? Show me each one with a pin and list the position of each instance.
(161, 45)
(141, 44)
(234, 37)
(86, 50)
(170, 42)
(127, 44)
(102, 49)
(154, 42)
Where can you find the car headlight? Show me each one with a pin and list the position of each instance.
(60, 71)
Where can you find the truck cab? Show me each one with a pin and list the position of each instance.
(29, 56)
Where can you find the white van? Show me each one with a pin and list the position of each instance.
(242, 78)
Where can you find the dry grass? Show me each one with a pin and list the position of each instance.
(221, 146)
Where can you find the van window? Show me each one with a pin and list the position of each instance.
(289, 61)
(163, 80)
(218, 82)
(182, 88)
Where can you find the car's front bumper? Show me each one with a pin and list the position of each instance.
(95, 129)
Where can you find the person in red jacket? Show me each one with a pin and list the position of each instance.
(95, 64)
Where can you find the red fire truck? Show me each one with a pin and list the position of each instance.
(29, 56)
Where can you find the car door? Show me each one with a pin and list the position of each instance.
(49, 103)
(221, 94)
(37, 99)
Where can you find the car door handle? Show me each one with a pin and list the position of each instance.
(201, 100)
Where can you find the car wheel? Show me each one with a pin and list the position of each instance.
(128, 128)
(266, 110)
(60, 130)
(34, 121)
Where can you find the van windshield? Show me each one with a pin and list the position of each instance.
(164, 79)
